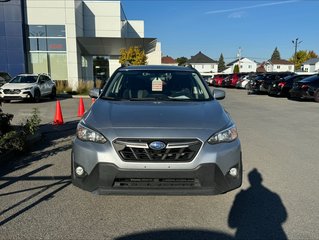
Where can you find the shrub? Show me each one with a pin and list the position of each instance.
(16, 139)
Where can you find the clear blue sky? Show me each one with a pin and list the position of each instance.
(213, 27)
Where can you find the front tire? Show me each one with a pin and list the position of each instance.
(53, 93)
(316, 96)
(6, 101)
(37, 96)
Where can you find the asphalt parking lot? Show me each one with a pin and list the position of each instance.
(279, 141)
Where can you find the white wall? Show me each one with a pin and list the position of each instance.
(283, 68)
(155, 57)
(114, 64)
(102, 19)
(133, 29)
(205, 67)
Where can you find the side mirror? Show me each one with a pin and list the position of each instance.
(95, 92)
(219, 94)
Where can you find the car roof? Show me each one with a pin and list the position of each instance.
(158, 68)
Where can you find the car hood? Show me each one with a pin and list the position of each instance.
(17, 85)
(155, 115)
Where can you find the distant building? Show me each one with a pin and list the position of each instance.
(312, 65)
(279, 66)
(203, 64)
(71, 40)
(245, 65)
(169, 61)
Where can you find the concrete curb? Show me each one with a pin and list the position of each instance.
(72, 96)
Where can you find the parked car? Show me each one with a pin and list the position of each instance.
(307, 88)
(4, 78)
(218, 80)
(28, 87)
(282, 86)
(156, 129)
(244, 80)
(263, 82)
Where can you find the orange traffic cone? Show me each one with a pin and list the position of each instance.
(81, 108)
(58, 118)
(92, 101)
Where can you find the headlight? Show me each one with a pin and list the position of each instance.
(29, 88)
(226, 135)
(86, 134)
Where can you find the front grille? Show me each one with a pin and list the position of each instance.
(156, 183)
(11, 91)
(136, 150)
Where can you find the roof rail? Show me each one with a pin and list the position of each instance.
(126, 64)
(188, 65)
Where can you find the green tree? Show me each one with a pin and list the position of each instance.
(133, 55)
(275, 55)
(221, 63)
(236, 69)
(181, 61)
(301, 57)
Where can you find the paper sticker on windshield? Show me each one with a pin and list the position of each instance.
(157, 85)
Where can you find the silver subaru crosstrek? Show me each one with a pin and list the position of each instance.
(156, 130)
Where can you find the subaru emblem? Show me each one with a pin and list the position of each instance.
(157, 145)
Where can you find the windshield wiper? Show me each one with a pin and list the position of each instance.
(111, 98)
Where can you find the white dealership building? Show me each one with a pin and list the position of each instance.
(81, 39)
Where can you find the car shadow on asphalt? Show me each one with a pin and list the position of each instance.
(47, 186)
(257, 212)
(177, 234)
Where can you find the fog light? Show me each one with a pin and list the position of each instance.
(79, 171)
(233, 172)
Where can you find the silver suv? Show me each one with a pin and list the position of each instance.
(28, 87)
(156, 130)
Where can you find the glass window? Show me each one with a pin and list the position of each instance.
(24, 79)
(157, 85)
(38, 44)
(58, 66)
(56, 44)
(37, 31)
(55, 31)
(38, 62)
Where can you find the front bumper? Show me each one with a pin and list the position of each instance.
(20, 96)
(207, 173)
(206, 179)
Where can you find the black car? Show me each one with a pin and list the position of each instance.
(282, 86)
(263, 82)
(4, 78)
(308, 88)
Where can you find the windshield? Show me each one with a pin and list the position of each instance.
(24, 79)
(156, 85)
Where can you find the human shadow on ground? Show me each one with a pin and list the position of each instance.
(257, 212)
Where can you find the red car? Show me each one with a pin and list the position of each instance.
(218, 80)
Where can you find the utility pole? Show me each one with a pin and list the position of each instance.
(239, 57)
(296, 42)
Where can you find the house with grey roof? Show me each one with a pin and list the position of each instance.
(203, 64)
(245, 65)
(312, 65)
(280, 65)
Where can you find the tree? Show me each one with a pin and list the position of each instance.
(236, 69)
(301, 57)
(133, 55)
(275, 55)
(221, 63)
(181, 61)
